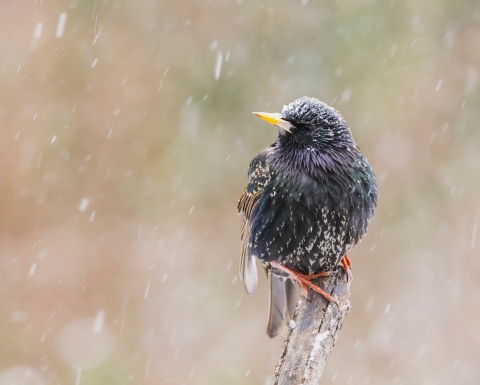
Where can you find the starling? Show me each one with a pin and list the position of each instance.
(309, 199)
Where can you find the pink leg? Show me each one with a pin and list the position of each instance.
(304, 280)
(347, 265)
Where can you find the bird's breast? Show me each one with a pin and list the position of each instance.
(303, 223)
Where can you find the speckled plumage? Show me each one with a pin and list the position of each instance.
(310, 195)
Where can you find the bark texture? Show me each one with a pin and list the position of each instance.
(313, 332)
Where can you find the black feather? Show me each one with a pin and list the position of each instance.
(309, 199)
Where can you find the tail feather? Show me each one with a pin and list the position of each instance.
(283, 301)
(291, 292)
(278, 305)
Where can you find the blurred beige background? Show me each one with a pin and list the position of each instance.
(126, 133)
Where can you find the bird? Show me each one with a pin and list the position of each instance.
(309, 200)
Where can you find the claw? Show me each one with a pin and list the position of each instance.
(305, 280)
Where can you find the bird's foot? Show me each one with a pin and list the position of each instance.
(347, 266)
(305, 280)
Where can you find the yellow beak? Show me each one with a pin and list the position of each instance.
(276, 119)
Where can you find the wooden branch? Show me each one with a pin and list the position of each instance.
(312, 333)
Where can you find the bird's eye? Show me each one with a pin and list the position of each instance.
(304, 127)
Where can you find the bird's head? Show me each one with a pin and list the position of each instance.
(308, 123)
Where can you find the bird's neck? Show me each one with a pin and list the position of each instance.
(313, 160)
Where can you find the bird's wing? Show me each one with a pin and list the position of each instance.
(259, 174)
